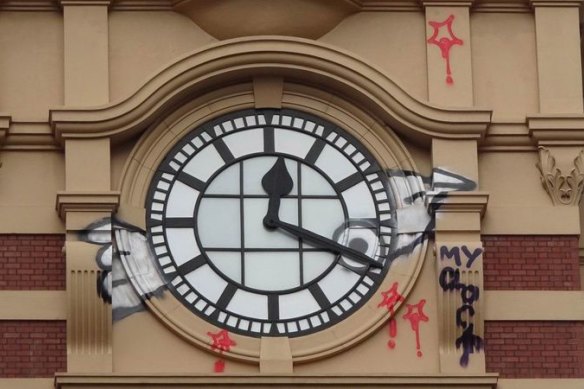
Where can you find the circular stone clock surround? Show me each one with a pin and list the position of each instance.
(154, 146)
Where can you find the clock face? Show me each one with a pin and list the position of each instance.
(271, 223)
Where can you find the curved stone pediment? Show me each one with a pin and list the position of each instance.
(316, 64)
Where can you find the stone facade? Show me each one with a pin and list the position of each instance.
(461, 123)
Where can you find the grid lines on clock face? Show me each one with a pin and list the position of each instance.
(229, 223)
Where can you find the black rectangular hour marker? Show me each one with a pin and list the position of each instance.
(269, 143)
(191, 181)
(273, 307)
(179, 222)
(349, 182)
(319, 296)
(315, 151)
(223, 150)
(226, 296)
(191, 265)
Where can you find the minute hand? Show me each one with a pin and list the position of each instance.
(326, 243)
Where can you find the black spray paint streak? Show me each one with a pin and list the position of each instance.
(114, 281)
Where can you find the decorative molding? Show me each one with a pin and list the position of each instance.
(447, 3)
(501, 6)
(334, 69)
(557, 129)
(4, 126)
(142, 5)
(563, 189)
(84, 2)
(458, 201)
(29, 136)
(469, 381)
(29, 5)
(33, 305)
(556, 3)
(527, 305)
(86, 202)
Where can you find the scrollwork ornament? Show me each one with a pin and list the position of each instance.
(563, 189)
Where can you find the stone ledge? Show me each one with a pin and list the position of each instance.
(116, 381)
(76, 201)
(461, 202)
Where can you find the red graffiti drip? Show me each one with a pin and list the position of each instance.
(392, 333)
(220, 342)
(415, 315)
(219, 366)
(390, 299)
(445, 43)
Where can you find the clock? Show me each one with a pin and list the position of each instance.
(271, 223)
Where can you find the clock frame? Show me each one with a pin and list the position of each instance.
(180, 189)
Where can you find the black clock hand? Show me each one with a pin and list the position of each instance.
(326, 243)
(277, 183)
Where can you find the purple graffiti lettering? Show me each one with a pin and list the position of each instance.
(459, 313)
(469, 343)
(471, 256)
(469, 293)
(452, 253)
(449, 279)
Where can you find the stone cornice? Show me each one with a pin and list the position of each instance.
(461, 202)
(95, 381)
(85, 2)
(77, 201)
(556, 3)
(226, 62)
(557, 129)
(5, 121)
(29, 5)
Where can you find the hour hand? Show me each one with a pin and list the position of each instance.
(277, 183)
(326, 243)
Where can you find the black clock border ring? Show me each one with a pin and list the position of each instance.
(328, 127)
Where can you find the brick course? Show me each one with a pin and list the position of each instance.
(32, 261)
(535, 349)
(32, 348)
(531, 262)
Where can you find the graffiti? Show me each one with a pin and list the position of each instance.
(220, 342)
(450, 280)
(445, 43)
(415, 315)
(390, 298)
(416, 219)
(455, 253)
(128, 274)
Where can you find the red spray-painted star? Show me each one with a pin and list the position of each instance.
(415, 315)
(390, 299)
(221, 341)
(445, 43)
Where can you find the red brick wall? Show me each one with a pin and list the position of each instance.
(530, 262)
(32, 261)
(535, 349)
(32, 348)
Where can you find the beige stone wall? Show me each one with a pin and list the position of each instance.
(93, 93)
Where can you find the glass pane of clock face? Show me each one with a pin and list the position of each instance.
(271, 223)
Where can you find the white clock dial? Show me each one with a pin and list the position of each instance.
(271, 223)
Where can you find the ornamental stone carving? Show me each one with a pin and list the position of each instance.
(564, 189)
